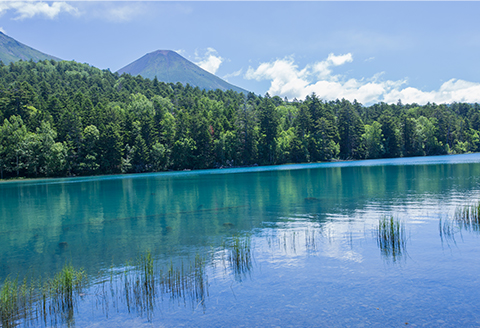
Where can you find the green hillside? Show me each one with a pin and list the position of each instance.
(63, 118)
(170, 67)
(11, 51)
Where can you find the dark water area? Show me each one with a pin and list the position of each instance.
(290, 245)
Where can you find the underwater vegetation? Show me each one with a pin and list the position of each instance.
(391, 237)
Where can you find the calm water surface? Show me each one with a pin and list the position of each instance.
(309, 235)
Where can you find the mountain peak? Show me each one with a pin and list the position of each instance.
(162, 52)
(170, 67)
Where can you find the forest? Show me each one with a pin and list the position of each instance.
(63, 118)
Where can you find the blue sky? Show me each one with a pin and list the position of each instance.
(369, 51)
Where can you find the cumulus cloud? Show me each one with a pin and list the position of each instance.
(211, 61)
(30, 9)
(287, 79)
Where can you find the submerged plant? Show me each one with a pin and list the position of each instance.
(391, 237)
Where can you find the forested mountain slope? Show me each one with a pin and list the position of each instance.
(62, 118)
(11, 51)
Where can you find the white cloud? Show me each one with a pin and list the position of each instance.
(323, 68)
(29, 9)
(181, 52)
(124, 12)
(2, 30)
(234, 74)
(210, 62)
(287, 79)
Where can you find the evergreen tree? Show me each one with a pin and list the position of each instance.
(268, 130)
(351, 129)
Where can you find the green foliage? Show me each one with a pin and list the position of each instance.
(67, 119)
(351, 129)
(268, 130)
(373, 140)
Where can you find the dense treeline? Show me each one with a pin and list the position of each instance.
(65, 119)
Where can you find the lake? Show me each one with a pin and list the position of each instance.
(291, 245)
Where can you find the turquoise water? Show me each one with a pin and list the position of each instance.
(314, 255)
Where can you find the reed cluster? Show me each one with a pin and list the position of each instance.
(240, 255)
(391, 237)
(33, 300)
(468, 217)
(139, 286)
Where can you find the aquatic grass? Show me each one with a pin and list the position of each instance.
(391, 237)
(139, 286)
(447, 229)
(9, 307)
(240, 255)
(186, 282)
(144, 287)
(468, 217)
(33, 300)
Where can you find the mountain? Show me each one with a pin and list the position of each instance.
(11, 51)
(168, 66)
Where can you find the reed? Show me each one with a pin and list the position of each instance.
(35, 300)
(240, 256)
(186, 282)
(140, 286)
(468, 217)
(391, 237)
(9, 307)
(447, 229)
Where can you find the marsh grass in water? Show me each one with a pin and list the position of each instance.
(468, 217)
(391, 237)
(240, 255)
(138, 287)
(53, 300)
(447, 229)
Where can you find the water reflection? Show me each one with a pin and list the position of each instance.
(94, 223)
(203, 226)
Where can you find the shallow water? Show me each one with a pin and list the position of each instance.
(314, 254)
